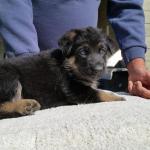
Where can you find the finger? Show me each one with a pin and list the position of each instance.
(133, 91)
(130, 86)
(137, 88)
(142, 91)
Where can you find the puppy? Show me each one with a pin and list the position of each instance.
(64, 76)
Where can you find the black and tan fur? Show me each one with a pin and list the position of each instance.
(64, 76)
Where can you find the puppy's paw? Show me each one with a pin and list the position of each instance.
(107, 96)
(115, 97)
(27, 106)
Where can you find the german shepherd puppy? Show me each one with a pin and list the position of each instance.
(65, 76)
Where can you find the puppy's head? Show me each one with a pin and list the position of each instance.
(85, 51)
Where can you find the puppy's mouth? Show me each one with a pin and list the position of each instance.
(95, 69)
(92, 73)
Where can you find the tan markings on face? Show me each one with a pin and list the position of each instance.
(71, 62)
(18, 92)
(71, 35)
(90, 82)
(109, 96)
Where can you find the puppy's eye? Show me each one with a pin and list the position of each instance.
(83, 52)
(102, 50)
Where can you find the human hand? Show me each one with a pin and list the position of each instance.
(139, 78)
(138, 89)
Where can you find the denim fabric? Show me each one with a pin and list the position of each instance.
(29, 26)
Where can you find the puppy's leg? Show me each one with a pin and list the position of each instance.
(18, 106)
(85, 94)
(108, 96)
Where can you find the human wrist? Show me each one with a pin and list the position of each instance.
(136, 68)
(137, 63)
(133, 53)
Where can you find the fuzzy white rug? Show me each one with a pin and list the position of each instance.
(103, 126)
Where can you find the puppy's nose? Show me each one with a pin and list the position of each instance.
(96, 62)
(98, 66)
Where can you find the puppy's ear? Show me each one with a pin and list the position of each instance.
(111, 46)
(66, 42)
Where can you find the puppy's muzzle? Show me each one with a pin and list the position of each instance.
(98, 67)
(96, 63)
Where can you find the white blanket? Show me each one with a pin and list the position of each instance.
(102, 126)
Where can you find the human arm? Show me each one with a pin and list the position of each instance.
(17, 28)
(127, 20)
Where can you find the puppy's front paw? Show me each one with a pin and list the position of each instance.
(27, 106)
(117, 98)
(106, 96)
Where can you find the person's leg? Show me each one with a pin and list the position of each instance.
(17, 28)
(54, 17)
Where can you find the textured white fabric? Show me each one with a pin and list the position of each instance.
(103, 126)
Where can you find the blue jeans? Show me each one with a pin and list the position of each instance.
(30, 26)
